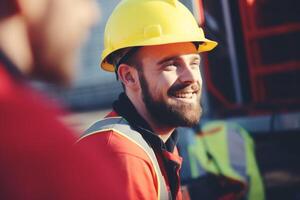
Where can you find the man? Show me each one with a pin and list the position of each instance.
(153, 46)
(39, 39)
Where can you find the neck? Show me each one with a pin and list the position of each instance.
(164, 132)
(14, 43)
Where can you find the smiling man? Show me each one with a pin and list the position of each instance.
(169, 85)
(153, 46)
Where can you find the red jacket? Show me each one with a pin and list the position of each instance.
(138, 179)
(37, 155)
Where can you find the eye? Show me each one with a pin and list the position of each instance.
(195, 64)
(170, 66)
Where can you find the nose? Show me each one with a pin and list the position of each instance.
(190, 74)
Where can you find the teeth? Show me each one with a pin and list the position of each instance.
(184, 95)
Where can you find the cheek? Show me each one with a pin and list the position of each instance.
(198, 76)
(200, 80)
(164, 81)
(168, 78)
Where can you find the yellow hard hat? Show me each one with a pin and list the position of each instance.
(150, 22)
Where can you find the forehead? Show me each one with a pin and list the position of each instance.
(157, 53)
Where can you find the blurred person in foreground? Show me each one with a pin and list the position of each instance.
(39, 38)
(153, 46)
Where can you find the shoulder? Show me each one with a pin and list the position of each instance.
(137, 171)
(116, 142)
(227, 128)
(27, 111)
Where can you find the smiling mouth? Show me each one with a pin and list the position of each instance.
(185, 92)
(184, 95)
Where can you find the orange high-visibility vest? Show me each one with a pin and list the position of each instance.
(120, 126)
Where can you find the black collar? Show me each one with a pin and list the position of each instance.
(125, 108)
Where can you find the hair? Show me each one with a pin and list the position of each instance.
(125, 56)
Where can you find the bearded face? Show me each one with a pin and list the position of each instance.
(170, 84)
(179, 107)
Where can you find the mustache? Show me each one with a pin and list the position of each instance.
(195, 87)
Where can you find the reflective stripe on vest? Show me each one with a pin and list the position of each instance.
(237, 157)
(228, 148)
(121, 126)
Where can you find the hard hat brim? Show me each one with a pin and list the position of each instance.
(206, 45)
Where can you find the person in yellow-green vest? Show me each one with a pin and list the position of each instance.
(219, 163)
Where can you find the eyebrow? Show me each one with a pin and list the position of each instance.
(170, 58)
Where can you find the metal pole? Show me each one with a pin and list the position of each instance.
(232, 51)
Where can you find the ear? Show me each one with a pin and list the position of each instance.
(129, 76)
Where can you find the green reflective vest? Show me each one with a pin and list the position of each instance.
(227, 149)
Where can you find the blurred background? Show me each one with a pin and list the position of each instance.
(252, 78)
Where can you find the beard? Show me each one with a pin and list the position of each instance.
(167, 113)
